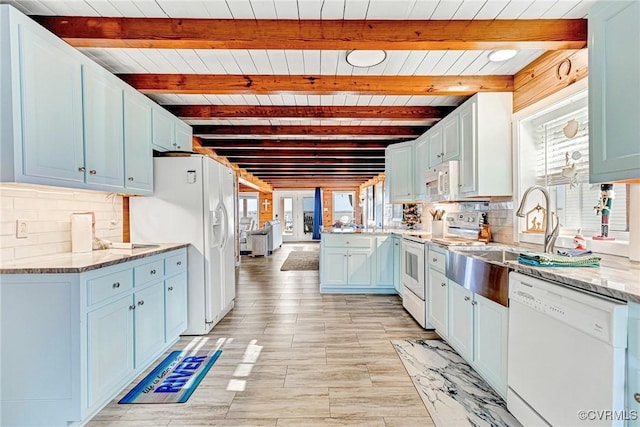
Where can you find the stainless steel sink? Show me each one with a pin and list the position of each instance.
(500, 256)
(483, 271)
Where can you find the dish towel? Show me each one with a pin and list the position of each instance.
(552, 260)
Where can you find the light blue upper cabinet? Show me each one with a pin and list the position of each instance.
(420, 166)
(169, 132)
(49, 108)
(138, 155)
(435, 145)
(103, 128)
(399, 172)
(614, 91)
(163, 130)
(184, 134)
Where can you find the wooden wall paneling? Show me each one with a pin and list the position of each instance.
(126, 227)
(266, 213)
(551, 72)
(327, 207)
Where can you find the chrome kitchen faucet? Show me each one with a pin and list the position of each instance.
(549, 236)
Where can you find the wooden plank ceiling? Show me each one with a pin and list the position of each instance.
(265, 83)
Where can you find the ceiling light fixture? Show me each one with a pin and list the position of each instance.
(365, 58)
(502, 55)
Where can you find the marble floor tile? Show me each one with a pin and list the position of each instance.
(452, 391)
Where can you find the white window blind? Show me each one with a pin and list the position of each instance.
(562, 165)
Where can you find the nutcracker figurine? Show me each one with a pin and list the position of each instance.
(604, 208)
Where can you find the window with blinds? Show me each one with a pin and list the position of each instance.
(561, 149)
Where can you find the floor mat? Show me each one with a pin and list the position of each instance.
(302, 260)
(174, 379)
(454, 394)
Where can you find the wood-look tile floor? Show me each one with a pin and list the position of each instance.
(295, 357)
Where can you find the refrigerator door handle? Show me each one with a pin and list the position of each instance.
(224, 219)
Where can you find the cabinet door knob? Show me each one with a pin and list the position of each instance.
(179, 263)
(132, 307)
(152, 272)
(130, 178)
(170, 288)
(467, 298)
(81, 169)
(178, 146)
(92, 172)
(116, 285)
(141, 302)
(434, 259)
(474, 302)
(438, 155)
(444, 284)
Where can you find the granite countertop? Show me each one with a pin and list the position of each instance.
(81, 262)
(377, 231)
(616, 277)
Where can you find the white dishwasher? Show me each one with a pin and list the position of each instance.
(566, 355)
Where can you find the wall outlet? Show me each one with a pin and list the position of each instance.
(22, 229)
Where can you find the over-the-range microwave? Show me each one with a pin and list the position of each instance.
(441, 182)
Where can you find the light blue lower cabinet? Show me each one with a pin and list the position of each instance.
(109, 348)
(175, 297)
(357, 263)
(476, 327)
(149, 322)
(83, 337)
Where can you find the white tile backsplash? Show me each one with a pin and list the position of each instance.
(48, 212)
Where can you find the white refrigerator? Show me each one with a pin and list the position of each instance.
(193, 202)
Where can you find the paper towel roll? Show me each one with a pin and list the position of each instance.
(81, 232)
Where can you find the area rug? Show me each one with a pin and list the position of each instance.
(302, 260)
(453, 393)
(174, 379)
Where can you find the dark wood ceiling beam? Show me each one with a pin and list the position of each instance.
(395, 131)
(284, 161)
(308, 154)
(307, 167)
(198, 112)
(301, 172)
(295, 144)
(174, 33)
(338, 183)
(275, 84)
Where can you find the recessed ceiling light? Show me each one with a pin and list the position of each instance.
(502, 55)
(365, 58)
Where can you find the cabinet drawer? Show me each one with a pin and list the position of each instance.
(104, 287)
(437, 260)
(348, 242)
(149, 271)
(175, 264)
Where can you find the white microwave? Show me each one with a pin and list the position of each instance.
(441, 182)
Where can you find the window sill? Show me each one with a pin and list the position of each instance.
(609, 247)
